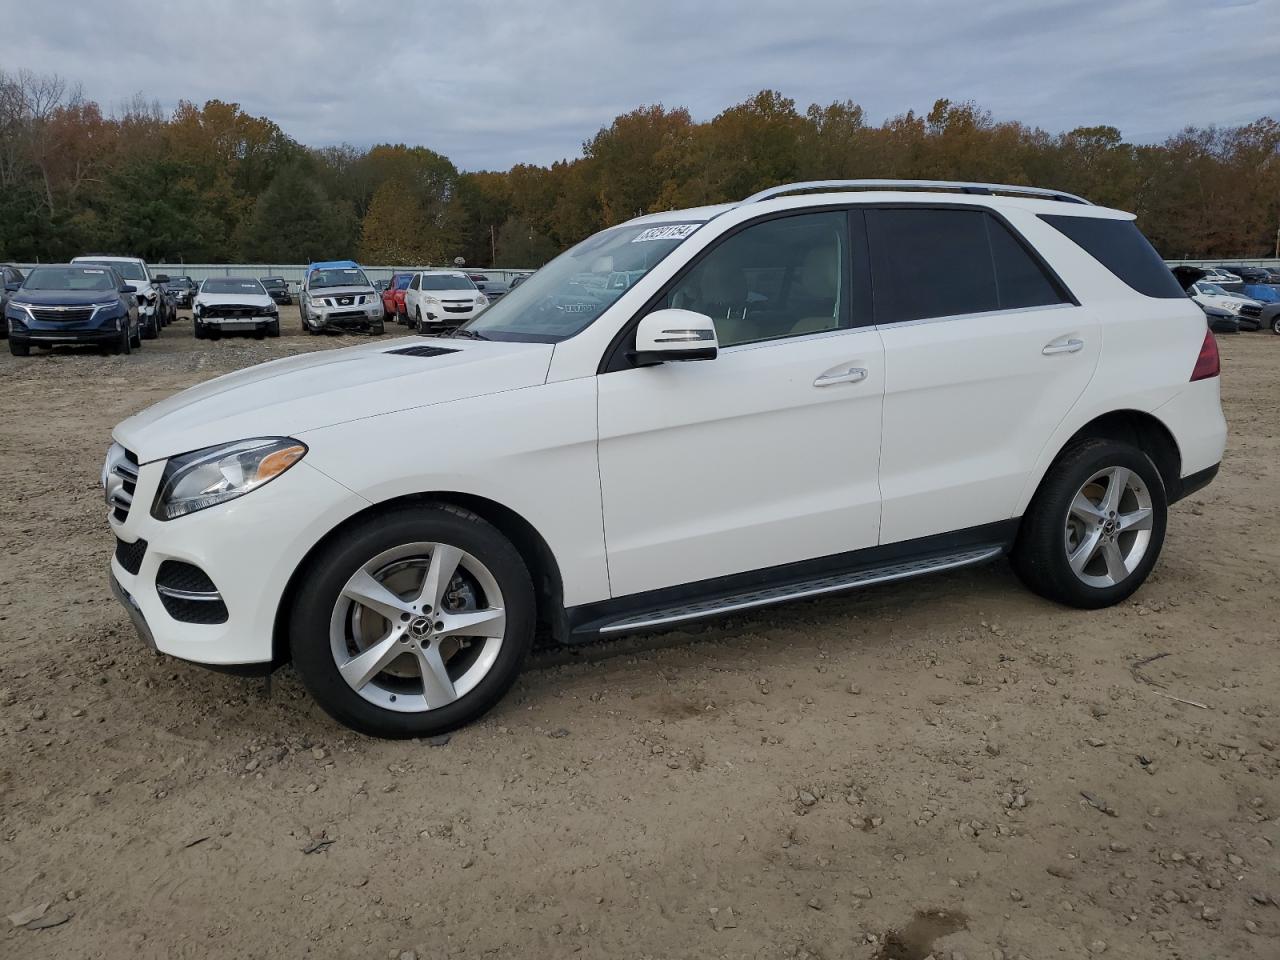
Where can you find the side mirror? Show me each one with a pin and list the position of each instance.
(11, 287)
(161, 278)
(128, 288)
(666, 335)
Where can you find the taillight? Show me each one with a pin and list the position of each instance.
(1207, 364)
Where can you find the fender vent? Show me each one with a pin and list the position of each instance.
(422, 351)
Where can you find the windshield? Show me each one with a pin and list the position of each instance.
(403, 280)
(1212, 289)
(341, 277)
(69, 278)
(273, 282)
(566, 296)
(128, 269)
(243, 285)
(447, 281)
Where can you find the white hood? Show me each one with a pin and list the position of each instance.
(237, 299)
(322, 293)
(291, 396)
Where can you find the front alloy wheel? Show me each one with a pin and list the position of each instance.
(417, 627)
(414, 622)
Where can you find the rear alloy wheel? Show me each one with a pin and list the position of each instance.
(414, 623)
(1095, 528)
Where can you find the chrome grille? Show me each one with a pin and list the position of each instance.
(120, 481)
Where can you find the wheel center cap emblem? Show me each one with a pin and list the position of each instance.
(421, 627)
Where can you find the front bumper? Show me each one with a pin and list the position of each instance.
(230, 324)
(46, 333)
(135, 613)
(345, 319)
(447, 317)
(249, 548)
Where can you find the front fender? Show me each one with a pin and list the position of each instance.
(532, 450)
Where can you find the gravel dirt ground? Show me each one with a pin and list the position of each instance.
(947, 767)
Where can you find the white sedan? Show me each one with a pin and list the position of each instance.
(439, 299)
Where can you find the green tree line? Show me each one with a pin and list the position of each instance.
(213, 184)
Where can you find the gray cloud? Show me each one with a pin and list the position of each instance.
(490, 84)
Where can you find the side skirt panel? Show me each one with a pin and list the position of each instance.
(658, 609)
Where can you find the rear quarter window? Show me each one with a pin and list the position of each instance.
(1120, 247)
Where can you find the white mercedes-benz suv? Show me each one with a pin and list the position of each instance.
(779, 403)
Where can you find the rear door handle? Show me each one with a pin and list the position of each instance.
(841, 375)
(1071, 345)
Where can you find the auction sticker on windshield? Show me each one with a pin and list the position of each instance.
(672, 231)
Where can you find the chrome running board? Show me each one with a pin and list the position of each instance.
(801, 590)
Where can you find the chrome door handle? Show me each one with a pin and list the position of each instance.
(1063, 346)
(841, 375)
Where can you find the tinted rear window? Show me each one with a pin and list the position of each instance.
(975, 264)
(1120, 247)
(960, 278)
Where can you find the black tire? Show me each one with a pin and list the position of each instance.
(273, 328)
(135, 338)
(198, 329)
(19, 349)
(1040, 552)
(260, 333)
(377, 328)
(151, 329)
(1275, 325)
(310, 329)
(333, 565)
(125, 344)
(417, 321)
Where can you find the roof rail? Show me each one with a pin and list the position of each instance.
(977, 188)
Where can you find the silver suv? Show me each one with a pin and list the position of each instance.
(338, 296)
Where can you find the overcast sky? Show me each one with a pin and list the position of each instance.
(490, 84)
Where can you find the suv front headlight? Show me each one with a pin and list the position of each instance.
(204, 478)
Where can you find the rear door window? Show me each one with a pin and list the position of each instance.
(1120, 247)
(943, 262)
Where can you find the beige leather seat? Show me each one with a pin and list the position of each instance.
(818, 282)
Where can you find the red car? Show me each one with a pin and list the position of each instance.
(393, 297)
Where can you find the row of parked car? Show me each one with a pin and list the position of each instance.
(117, 302)
(1236, 297)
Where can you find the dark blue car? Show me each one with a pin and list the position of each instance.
(1267, 295)
(70, 303)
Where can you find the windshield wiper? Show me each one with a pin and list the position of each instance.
(468, 334)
